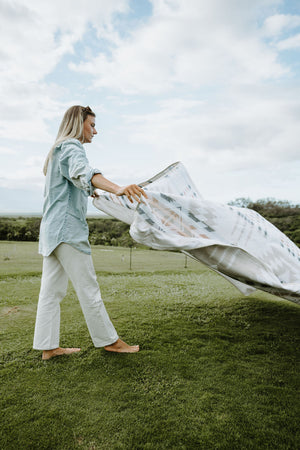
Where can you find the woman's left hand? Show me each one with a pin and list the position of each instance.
(95, 194)
(132, 192)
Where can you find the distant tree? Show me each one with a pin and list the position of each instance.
(109, 232)
(275, 208)
(241, 202)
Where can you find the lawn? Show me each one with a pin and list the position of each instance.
(216, 370)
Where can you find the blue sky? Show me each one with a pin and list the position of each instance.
(212, 84)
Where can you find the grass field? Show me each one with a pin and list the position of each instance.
(216, 370)
(19, 258)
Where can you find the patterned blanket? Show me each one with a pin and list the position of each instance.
(238, 243)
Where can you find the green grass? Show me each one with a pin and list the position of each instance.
(216, 370)
(22, 258)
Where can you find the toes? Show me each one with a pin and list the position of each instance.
(59, 352)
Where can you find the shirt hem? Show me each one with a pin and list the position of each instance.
(48, 253)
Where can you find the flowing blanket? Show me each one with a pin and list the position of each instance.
(238, 243)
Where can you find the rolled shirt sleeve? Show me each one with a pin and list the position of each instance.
(74, 166)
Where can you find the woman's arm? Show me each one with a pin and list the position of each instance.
(132, 191)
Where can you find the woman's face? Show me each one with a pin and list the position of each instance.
(89, 129)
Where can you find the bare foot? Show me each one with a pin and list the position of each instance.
(47, 354)
(121, 347)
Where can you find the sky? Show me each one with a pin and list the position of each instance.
(213, 84)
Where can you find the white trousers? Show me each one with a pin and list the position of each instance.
(68, 263)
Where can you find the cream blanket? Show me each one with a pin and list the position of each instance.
(238, 243)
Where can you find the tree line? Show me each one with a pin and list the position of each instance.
(112, 232)
(102, 231)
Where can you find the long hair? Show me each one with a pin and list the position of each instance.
(71, 127)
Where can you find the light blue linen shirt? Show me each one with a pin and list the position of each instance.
(68, 185)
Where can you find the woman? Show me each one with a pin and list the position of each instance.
(64, 238)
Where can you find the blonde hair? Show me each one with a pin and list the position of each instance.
(71, 127)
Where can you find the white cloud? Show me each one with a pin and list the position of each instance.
(26, 173)
(188, 43)
(244, 128)
(289, 43)
(28, 107)
(279, 23)
(7, 151)
(35, 36)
